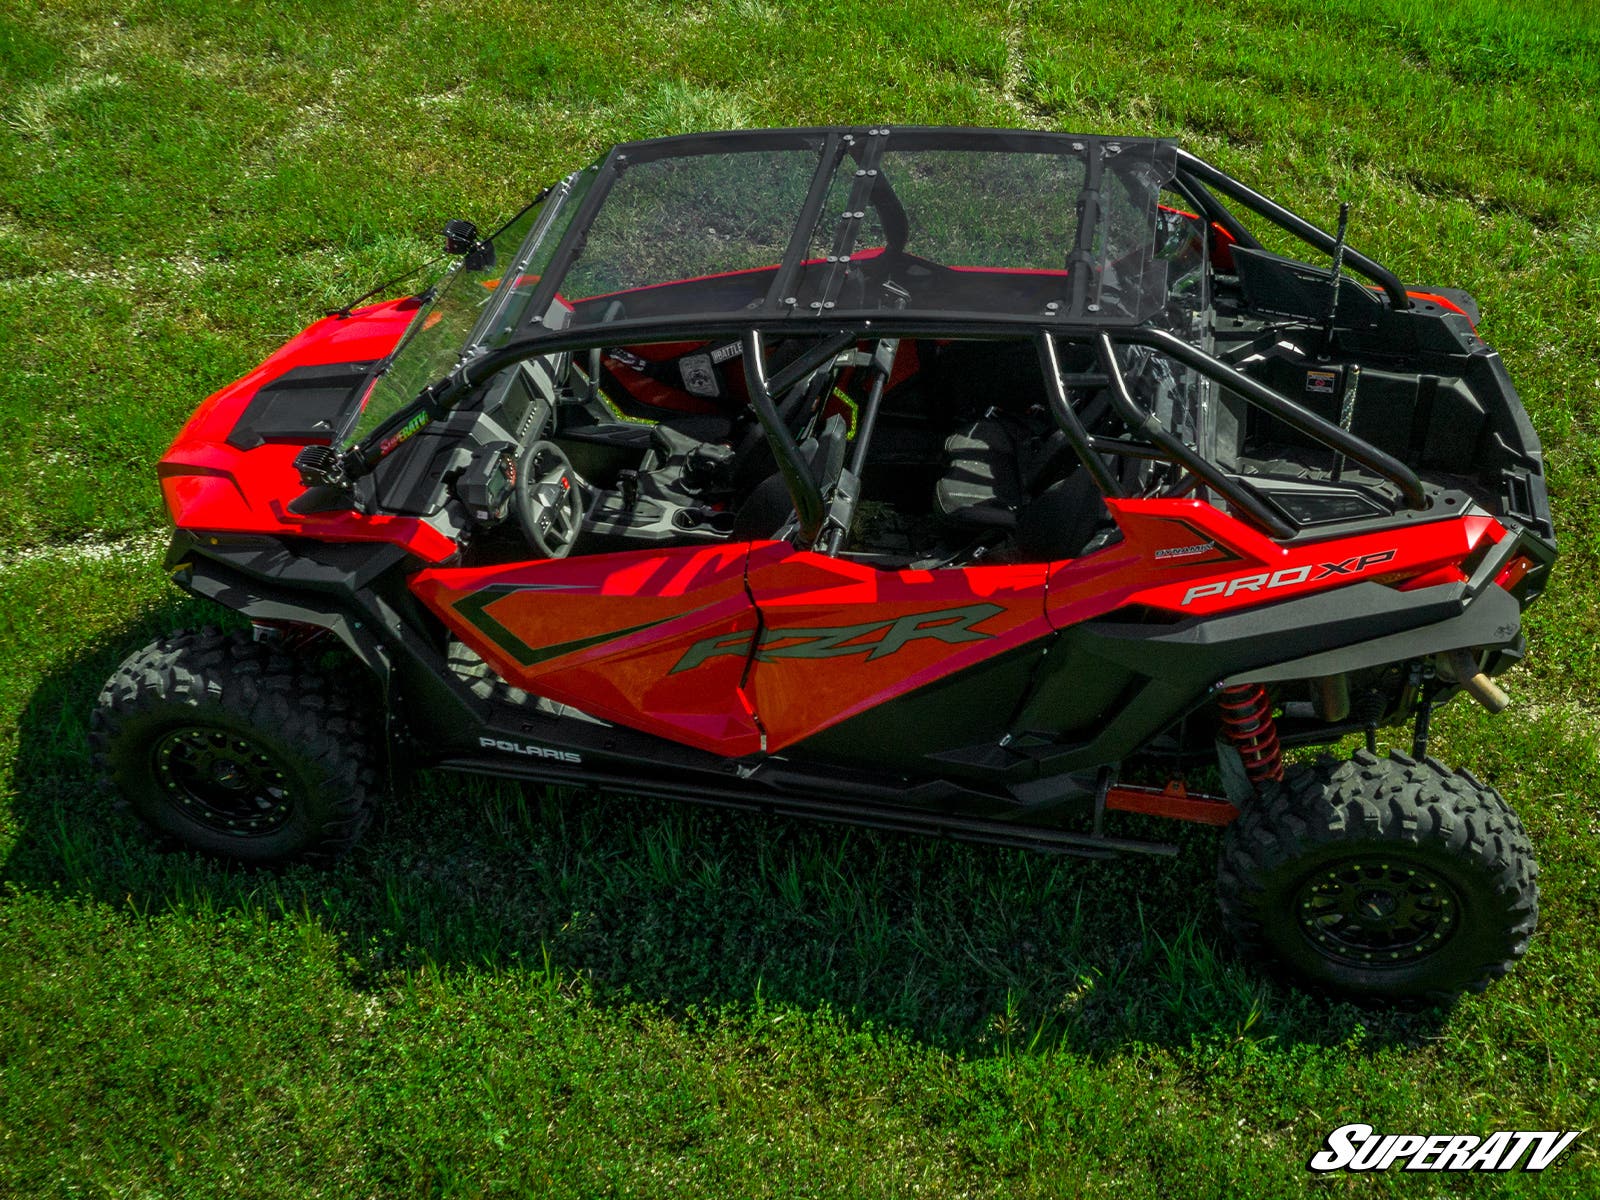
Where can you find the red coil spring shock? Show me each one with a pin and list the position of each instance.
(1247, 723)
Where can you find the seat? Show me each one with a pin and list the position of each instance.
(990, 481)
(981, 484)
(1061, 521)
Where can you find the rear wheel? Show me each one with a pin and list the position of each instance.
(237, 749)
(1381, 879)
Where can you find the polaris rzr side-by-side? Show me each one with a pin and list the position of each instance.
(974, 482)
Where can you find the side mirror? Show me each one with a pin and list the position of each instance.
(461, 237)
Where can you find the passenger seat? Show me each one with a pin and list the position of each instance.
(983, 487)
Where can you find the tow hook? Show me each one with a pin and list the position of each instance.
(1461, 666)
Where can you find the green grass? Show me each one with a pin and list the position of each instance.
(521, 992)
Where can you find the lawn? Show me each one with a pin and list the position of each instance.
(523, 992)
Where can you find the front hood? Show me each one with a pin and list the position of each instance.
(366, 335)
(231, 468)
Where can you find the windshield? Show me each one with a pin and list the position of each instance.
(480, 300)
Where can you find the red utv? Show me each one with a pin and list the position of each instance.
(981, 483)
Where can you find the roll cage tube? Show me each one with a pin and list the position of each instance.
(1081, 263)
(1164, 446)
(1146, 423)
(1203, 172)
(783, 281)
(868, 182)
(803, 488)
(847, 490)
(1077, 436)
(1295, 416)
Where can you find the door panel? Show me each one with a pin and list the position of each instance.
(839, 637)
(608, 634)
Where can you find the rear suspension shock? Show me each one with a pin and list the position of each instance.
(1248, 725)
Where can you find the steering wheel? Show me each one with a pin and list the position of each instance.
(548, 503)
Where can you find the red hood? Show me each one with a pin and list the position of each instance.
(215, 487)
(365, 335)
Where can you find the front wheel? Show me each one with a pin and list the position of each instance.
(1381, 879)
(235, 748)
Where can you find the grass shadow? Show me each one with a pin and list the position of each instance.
(973, 949)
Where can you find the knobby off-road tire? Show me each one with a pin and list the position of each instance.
(1381, 879)
(237, 749)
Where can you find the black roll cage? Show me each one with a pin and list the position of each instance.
(806, 491)
(835, 332)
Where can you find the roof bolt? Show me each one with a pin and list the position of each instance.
(844, 258)
(833, 258)
(827, 304)
(873, 171)
(789, 300)
(860, 172)
(1094, 308)
(1052, 306)
(816, 304)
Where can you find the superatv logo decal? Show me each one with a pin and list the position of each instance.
(550, 752)
(405, 431)
(1267, 580)
(1362, 1148)
(874, 639)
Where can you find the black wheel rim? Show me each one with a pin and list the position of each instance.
(222, 780)
(1377, 912)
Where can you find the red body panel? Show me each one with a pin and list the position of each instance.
(745, 648)
(618, 625)
(365, 335)
(1190, 559)
(840, 637)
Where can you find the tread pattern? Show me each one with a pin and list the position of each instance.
(318, 720)
(1369, 801)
